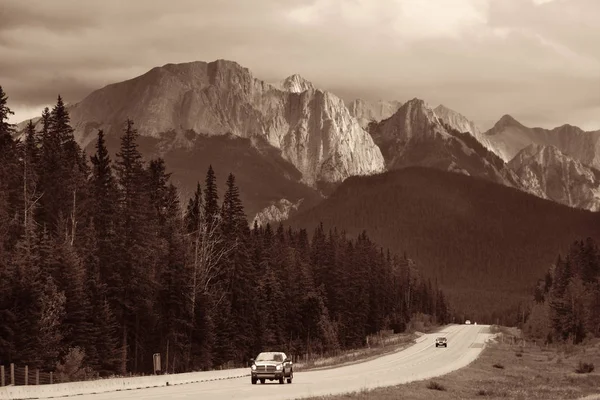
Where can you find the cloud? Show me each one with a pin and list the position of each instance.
(534, 59)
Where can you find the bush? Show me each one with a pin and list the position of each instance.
(433, 385)
(584, 368)
(483, 392)
(72, 368)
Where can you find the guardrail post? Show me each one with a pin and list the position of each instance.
(1, 375)
(26, 374)
(37, 376)
(12, 374)
(51, 378)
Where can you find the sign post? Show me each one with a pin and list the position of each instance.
(156, 359)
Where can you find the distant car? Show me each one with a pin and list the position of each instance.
(467, 322)
(474, 323)
(441, 342)
(272, 366)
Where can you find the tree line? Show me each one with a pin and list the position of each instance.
(98, 257)
(566, 302)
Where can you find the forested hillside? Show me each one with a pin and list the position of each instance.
(101, 256)
(566, 303)
(486, 243)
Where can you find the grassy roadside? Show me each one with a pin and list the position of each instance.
(506, 371)
(400, 342)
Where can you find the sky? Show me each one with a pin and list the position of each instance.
(537, 60)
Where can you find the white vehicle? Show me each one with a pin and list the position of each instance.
(467, 322)
(272, 366)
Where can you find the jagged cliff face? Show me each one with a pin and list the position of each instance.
(312, 128)
(462, 124)
(416, 136)
(558, 176)
(277, 211)
(509, 137)
(366, 112)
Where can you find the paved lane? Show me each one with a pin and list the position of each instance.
(420, 361)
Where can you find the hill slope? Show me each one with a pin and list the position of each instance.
(486, 243)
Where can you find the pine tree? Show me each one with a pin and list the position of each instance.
(175, 318)
(193, 211)
(104, 212)
(8, 173)
(211, 198)
(6, 129)
(136, 236)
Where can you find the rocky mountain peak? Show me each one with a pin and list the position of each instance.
(314, 132)
(504, 122)
(414, 118)
(296, 84)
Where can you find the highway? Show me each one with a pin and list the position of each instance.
(420, 361)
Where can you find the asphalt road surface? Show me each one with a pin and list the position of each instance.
(420, 361)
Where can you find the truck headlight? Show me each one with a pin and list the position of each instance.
(253, 367)
(278, 368)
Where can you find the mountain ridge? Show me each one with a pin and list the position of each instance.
(312, 128)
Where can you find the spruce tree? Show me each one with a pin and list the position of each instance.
(104, 212)
(136, 236)
(211, 198)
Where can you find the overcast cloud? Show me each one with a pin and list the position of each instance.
(538, 60)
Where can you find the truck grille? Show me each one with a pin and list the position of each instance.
(265, 368)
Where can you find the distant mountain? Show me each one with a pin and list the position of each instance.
(509, 137)
(313, 129)
(486, 243)
(416, 136)
(461, 123)
(372, 111)
(560, 177)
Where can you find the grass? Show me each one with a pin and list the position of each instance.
(389, 345)
(548, 373)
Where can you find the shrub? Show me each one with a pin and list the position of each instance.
(484, 392)
(433, 385)
(72, 368)
(584, 368)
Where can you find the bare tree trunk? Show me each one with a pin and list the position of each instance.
(208, 254)
(25, 199)
(73, 217)
(124, 350)
(137, 342)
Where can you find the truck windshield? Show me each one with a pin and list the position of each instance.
(270, 357)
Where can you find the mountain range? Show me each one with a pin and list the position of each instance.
(310, 140)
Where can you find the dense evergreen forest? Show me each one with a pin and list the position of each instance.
(567, 301)
(100, 256)
(487, 244)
